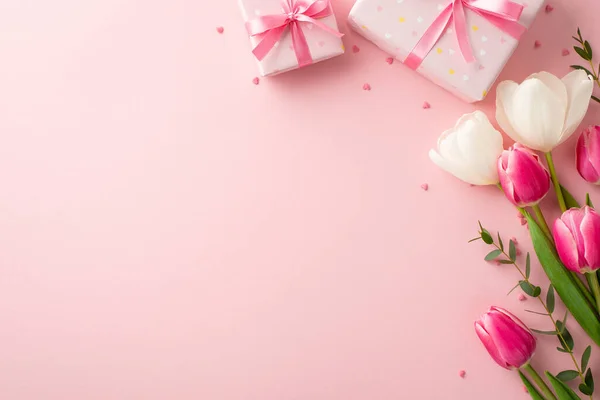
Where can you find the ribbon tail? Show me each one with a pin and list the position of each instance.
(462, 34)
(429, 39)
(321, 25)
(267, 43)
(300, 45)
(512, 28)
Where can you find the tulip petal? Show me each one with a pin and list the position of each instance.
(488, 342)
(537, 111)
(515, 345)
(590, 231)
(579, 89)
(565, 245)
(592, 144)
(588, 145)
(504, 93)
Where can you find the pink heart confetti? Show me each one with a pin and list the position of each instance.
(519, 215)
(525, 389)
(523, 222)
(379, 8)
(355, 49)
(462, 373)
(366, 87)
(549, 8)
(256, 81)
(522, 297)
(514, 239)
(565, 52)
(537, 44)
(502, 40)
(321, 43)
(220, 29)
(481, 67)
(426, 105)
(425, 187)
(389, 60)
(415, 33)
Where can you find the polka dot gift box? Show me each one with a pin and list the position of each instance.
(289, 34)
(461, 45)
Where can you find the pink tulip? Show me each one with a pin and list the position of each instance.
(524, 179)
(588, 155)
(577, 237)
(510, 343)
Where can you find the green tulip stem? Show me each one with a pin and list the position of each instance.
(542, 221)
(539, 381)
(557, 188)
(593, 280)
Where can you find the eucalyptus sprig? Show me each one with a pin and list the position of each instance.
(584, 50)
(567, 343)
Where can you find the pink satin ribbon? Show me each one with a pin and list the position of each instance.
(503, 14)
(270, 28)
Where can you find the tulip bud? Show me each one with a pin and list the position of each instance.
(524, 179)
(588, 155)
(577, 237)
(509, 342)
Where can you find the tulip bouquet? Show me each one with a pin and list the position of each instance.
(539, 114)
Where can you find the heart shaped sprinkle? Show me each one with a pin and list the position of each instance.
(389, 60)
(321, 43)
(355, 49)
(366, 87)
(549, 8)
(256, 81)
(220, 29)
(522, 297)
(425, 187)
(565, 52)
(426, 105)
(462, 373)
(379, 8)
(537, 44)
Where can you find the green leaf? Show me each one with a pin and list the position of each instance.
(532, 390)
(563, 283)
(588, 200)
(588, 49)
(529, 289)
(549, 333)
(564, 320)
(512, 250)
(596, 99)
(562, 350)
(562, 390)
(511, 290)
(492, 255)
(567, 375)
(537, 312)
(550, 299)
(506, 261)
(589, 379)
(576, 39)
(566, 340)
(587, 71)
(583, 388)
(500, 242)
(474, 239)
(528, 266)
(582, 53)
(585, 357)
(487, 238)
(569, 199)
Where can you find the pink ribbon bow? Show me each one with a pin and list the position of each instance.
(504, 14)
(271, 27)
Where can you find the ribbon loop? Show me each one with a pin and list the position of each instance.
(504, 14)
(270, 28)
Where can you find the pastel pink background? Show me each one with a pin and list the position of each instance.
(171, 231)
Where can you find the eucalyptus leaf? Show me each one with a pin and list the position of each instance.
(567, 375)
(549, 333)
(475, 239)
(537, 312)
(583, 388)
(530, 289)
(585, 357)
(500, 242)
(562, 281)
(506, 261)
(487, 238)
(492, 255)
(532, 390)
(596, 99)
(562, 390)
(582, 53)
(550, 299)
(562, 350)
(566, 340)
(512, 250)
(589, 379)
(512, 290)
(588, 49)
(587, 71)
(528, 266)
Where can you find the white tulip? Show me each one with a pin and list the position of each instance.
(470, 150)
(543, 111)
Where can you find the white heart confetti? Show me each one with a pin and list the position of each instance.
(482, 52)
(419, 19)
(449, 30)
(451, 52)
(399, 1)
(484, 39)
(465, 77)
(276, 45)
(440, 7)
(388, 35)
(309, 26)
(256, 12)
